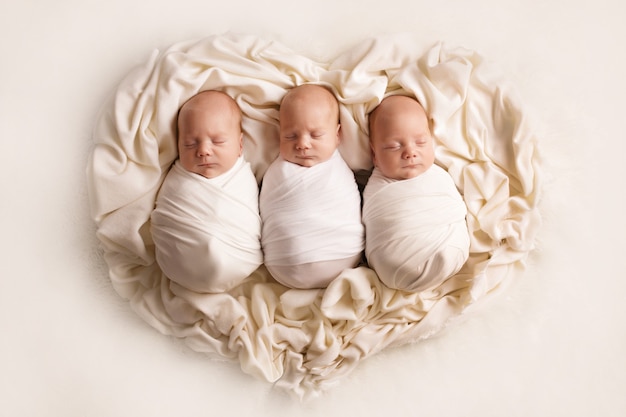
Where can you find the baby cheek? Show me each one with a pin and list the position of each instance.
(187, 153)
(429, 155)
(391, 160)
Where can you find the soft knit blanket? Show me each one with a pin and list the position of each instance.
(311, 217)
(207, 231)
(416, 231)
(303, 340)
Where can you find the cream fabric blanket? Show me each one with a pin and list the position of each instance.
(416, 231)
(304, 340)
(207, 231)
(312, 226)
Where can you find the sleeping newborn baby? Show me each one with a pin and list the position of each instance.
(309, 202)
(206, 226)
(416, 235)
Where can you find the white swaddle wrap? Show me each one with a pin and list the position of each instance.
(312, 226)
(416, 231)
(207, 231)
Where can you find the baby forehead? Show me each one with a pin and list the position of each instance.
(309, 94)
(398, 104)
(210, 106)
(393, 108)
(216, 101)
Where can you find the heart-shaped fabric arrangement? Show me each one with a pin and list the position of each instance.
(305, 339)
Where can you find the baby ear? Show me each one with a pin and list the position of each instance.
(372, 154)
(241, 144)
(339, 132)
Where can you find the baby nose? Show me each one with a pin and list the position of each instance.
(204, 149)
(303, 143)
(410, 152)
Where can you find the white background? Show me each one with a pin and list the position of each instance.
(552, 344)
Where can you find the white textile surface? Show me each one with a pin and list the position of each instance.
(306, 339)
(207, 231)
(311, 220)
(416, 230)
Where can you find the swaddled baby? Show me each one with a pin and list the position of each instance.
(416, 234)
(206, 226)
(309, 202)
